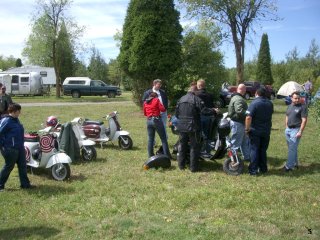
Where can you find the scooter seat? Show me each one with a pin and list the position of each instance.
(90, 122)
(31, 137)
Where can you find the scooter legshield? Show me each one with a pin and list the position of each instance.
(58, 158)
(157, 161)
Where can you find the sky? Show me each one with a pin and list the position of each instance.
(104, 18)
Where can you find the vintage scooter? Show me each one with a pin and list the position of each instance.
(88, 152)
(96, 131)
(42, 151)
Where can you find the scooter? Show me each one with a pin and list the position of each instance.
(97, 132)
(88, 152)
(42, 151)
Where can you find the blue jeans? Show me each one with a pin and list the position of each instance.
(205, 127)
(11, 157)
(164, 118)
(258, 153)
(292, 142)
(156, 125)
(239, 139)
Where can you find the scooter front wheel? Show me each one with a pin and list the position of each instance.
(61, 171)
(232, 168)
(125, 142)
(89, 153)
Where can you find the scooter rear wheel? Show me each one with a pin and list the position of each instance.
(125, 142)
(61, 171)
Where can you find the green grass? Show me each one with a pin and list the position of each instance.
(114, 198)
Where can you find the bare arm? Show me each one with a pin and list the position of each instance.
(303, 125)
(248, 123)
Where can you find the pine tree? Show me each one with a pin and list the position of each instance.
(150, 44)
(264, 74)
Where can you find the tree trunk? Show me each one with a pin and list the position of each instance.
(56, 69)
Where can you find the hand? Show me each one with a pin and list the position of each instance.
(299, 134)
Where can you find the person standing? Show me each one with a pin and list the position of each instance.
(237, 112)
(206, 116)
(152, 108)
(258, 126)
(308, 87)
(296, 120)
(5, 100)
(162, 96)
(189, 126)
(12, 147)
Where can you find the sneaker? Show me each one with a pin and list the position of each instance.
(285, 169)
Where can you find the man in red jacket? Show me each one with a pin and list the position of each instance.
(152, 108)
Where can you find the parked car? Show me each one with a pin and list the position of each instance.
(252, 87)
(84, 86)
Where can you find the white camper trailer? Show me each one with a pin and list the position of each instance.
(22, 83)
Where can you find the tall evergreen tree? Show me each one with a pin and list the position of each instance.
(97, 68)
(264, 74)
(18, 62)
(150, 44)
(65, 54)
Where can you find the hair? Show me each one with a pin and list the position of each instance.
(295, 93)
(156, 81)
(153, 94)
(193, 87)
(262, 92)
(13, 107)
(201, 84)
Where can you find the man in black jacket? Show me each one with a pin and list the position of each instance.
(189, 124)
(206, 116)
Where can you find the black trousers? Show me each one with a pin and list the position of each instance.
(189, 141)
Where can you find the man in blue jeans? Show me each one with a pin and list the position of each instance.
(296, 120)
(237, 112)
(258, 126)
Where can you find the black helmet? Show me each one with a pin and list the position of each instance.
(224, 127)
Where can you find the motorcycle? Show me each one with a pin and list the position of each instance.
(97, 132)
(88, 151)
(221, 143)
(42, 151)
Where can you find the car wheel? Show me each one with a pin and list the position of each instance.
(247, 96)
(75, 94)
(272, 96)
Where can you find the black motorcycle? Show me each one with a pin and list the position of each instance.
(220, 143)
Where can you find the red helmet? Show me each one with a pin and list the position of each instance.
(52, 121)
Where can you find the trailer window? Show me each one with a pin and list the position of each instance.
(15, 79)
(43, 73)
(24, 81)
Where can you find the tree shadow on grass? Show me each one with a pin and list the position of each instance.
(42, 232)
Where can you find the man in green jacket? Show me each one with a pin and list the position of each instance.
(237, 113)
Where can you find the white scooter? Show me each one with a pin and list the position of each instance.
(97, 132)
(42, 151)
(88, 152)
(86, 145)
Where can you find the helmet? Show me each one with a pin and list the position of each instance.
(224, 127)
(36, 154)
(52, 121)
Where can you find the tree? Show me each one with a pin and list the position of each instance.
(42, 44)
(150, 44)
(97, 68)
(264, 74)
(115, 74)
(235, 17)
(18, 62)
(65, 54)
(7, 62)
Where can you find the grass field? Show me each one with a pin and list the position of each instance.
(114, 198)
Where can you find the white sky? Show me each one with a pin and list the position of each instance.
(103, 18)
